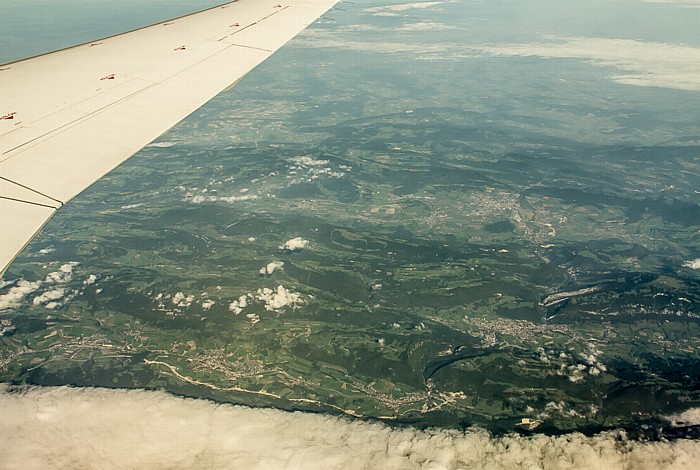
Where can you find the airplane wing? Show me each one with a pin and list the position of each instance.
(69, 117)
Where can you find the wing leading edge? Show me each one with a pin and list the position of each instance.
(69, 117)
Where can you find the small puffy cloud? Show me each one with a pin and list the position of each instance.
(49, 297)
(14, 297)
(310, 169)
(305, 160)
(253, 318)
(277, 299)
(133, 206)
(63, 275)
(182, 300)
(295, 244)
(207, 304)
(237, 306)
(271, 267)
(68, 267)
(91, 279)
(693, 264)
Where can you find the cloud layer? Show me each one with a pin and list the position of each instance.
(101, 428)
(683, 3)
(640, 63)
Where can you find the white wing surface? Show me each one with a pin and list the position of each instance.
(69, 117)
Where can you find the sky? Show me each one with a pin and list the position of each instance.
(34, 27)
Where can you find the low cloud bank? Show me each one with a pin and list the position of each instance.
(61, 427)
(403, 6)
(640, 63)
(683, 3)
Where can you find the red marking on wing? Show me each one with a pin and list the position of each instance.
(108, 77)
(7, 117)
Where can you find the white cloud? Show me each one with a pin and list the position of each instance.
(161, 144)
(424, 26)
(182, 300)
(694, 264)
(49, 296)
(311, 168)
(198, 199)
(254, 318)
(682, 3)
(317, 38)
(62, 427)
(689, 417)
(134, 206)
(279, 298)
(640, 63)
(273, 300)
(402, 7)
(271, 267)
(207, 304)
(305, 160)
(63, 275)
(295, 244)
(237, 306)
(17, 293)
